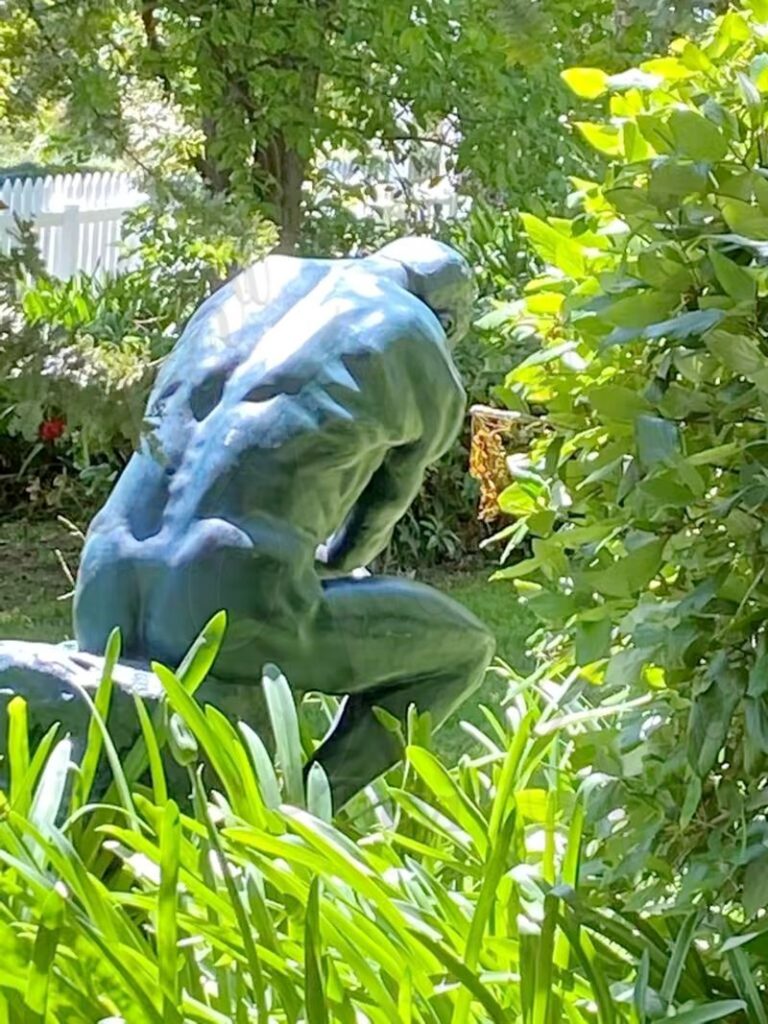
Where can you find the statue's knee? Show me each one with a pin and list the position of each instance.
(483, 647)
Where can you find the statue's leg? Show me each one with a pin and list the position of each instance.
(390, 642)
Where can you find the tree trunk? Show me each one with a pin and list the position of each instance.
(284, 170)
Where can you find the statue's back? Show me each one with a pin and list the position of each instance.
(258, 443)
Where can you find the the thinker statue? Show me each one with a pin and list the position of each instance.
(287, 433)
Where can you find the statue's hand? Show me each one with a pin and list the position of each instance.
(321, 554)
(323, 558)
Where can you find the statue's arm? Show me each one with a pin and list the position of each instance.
(368, 529)
(392, 489)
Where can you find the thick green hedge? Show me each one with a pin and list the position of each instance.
(645, 501)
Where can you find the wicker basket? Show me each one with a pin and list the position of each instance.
(497, 434)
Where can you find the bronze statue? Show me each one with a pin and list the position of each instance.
(287, 433)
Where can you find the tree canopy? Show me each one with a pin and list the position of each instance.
(248, 93)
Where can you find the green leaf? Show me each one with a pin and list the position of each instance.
(450, 799)
(672, 69)
(695, 323)
(755, 891)
(740, 353)
(49, 794)
(758, 676)
(658, 440)
(711, 713)
(745, 219)
(759, 9)
(18, 752)
(95, 740)
(199, 659)
(746, 987)
(532, 804)
(523, 568)
(554, 247)
(657, 133)
(671, 180)
(691, 801)
(712, 1011)
(720, 455)
(697, 137)
(630, 574)
(640, 310)
(737, 282)
(195, 720)
(516, 500)
(593, 640)
(758, 72)
(612, 401)
(640, 991)
(262, 765)
(157, 772)
(605, 138)
(589, 83)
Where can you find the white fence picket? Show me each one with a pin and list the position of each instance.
(77, 218)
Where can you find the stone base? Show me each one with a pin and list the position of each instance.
(51, 679)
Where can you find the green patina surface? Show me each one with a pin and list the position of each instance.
(35, 603)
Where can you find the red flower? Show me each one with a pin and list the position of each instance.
(52, 429)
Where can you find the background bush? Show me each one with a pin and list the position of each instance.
(643, 503)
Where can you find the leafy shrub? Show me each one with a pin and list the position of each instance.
(82, 353)
(644, 500)
(451, 896)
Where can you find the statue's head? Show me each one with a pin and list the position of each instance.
(440, 277)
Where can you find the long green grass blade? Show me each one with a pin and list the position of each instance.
(746, 987)
(545, 975)
(167, 925)
(679, 955)
(49, 795)
(314, 982)
(238, 906)
(585, 954)
(712, 1011)
(199, 659)
(508, 776)
(39, 760)
(246, 800)
(468, 979)
(195, 720)
(154, 756)
(89, 762)
(569, 874)
(319, 798)
(285, 728)
(43, 954)
(452, 801)
(494, 869)
(640, 993)
(18, 752)
(262, 765)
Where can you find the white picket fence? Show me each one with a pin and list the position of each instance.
(78, 218)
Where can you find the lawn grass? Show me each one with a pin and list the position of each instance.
(35, 604)
(35, 596)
